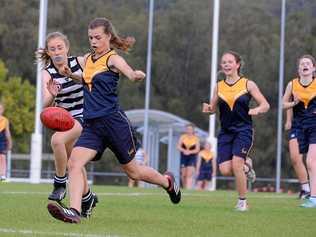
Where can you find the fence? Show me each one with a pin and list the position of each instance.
(19, 171)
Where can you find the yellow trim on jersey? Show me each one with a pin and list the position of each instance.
(230, 93)
(189, 140)
(304, 93)
(94, 67)
(3, 123)
(206, 155)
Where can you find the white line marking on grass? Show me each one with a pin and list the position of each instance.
(32, 233)
(263, 195)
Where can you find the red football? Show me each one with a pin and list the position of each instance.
(57, 119)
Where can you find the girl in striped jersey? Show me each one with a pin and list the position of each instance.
(62, 91)
(300, 95)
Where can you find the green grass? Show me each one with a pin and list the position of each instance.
(148, 212)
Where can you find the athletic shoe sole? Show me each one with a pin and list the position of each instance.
(57, 212)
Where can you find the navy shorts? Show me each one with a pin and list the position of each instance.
(294, 131)
(80, 120)
(113, 131)
(187, 160)
(292, 134)
(205, 173)
(3, 147)
(231, 144)
(305, 137)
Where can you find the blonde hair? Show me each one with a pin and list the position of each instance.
(308, 56)
(41, 53)
(116, 41)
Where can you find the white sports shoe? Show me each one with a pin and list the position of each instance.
(3, 178)
(242, 205)
(249, 171)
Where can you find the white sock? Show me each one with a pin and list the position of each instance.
(312, 199)
(305, 187)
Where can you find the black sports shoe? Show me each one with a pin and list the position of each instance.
(304, 195)
(58, 194)
(173, 190)
(87, 207)
(69, 215)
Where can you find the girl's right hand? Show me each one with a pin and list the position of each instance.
(288, 125)
(206, 108)
(139, 75)
(65, 71)
(53, 87)
(295, 99)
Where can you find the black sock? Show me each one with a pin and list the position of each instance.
(87, 197)
(60, 181)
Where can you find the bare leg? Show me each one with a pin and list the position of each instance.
(189, 177)
(60, 154)
(79, 158)
(206, 184)
(226, 168)
(3, 165)
(183, 177)
(145, 173)
(199, 185)
(62, 143)
(311, 166)
(131, 183)
(69, 148)
(297, 161)
(241, 180)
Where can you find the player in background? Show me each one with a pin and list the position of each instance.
(232, 95)
(189, 147)
(205, 167)
(5, 143)
(293, 126)
(300, 96)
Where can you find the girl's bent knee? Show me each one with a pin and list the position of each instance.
(74, 165)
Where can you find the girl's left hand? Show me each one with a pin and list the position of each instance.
(254, 111)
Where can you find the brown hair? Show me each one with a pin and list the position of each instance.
(238, 59)
(307, 56)
(41, 53)
(116, 41)
(190, 125)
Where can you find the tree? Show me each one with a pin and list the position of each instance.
(18, 97)
(181, 50)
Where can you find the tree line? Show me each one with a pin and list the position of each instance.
(181, 55)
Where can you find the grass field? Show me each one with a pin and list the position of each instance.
(148, 212)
